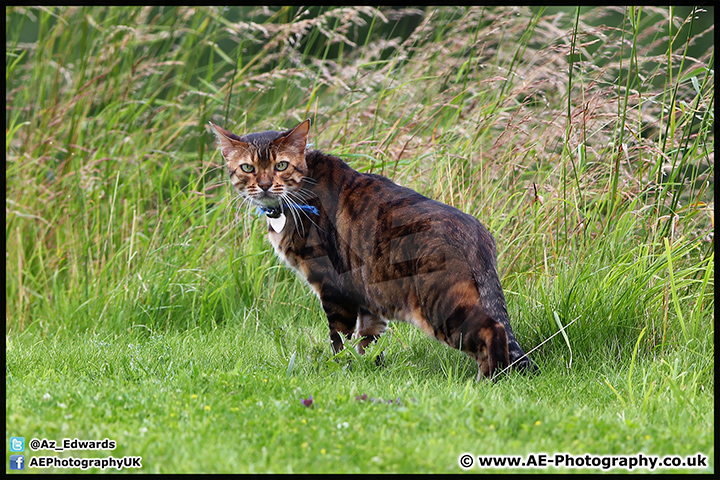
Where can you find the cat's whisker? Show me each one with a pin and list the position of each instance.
(237, 205)
(310, 180)
(299, 199)
(240, 202)
(292, 195)
(288, 200)
(236, 202)
(231, 200)
(303, 194)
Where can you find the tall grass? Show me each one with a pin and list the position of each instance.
(583, 139)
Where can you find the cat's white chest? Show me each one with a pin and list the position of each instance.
(276, 235)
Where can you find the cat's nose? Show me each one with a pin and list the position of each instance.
(265, 185)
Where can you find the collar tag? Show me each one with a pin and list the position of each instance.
(277, 223)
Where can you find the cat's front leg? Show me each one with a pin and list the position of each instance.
(369, 329)
(341, 314)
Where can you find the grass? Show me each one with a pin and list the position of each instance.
(169, 397)
(144, 307)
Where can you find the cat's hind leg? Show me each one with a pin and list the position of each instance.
(469, 327)
(472, 330)
(488, 346)
(485, 340)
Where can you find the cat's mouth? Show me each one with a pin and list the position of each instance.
(265, 199)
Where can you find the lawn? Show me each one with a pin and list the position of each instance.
(145, 306)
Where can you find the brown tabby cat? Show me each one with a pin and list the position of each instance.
(373, 250)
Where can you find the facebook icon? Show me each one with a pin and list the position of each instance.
(17, 462)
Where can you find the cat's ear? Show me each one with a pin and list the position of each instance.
(228, 141)
(295, 141)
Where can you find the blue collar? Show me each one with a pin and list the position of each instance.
(275, 212)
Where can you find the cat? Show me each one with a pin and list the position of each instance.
(372, 250)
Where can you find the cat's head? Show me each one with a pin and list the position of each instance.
(266, 167)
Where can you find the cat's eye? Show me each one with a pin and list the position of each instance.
(247, 168)
(281, 166)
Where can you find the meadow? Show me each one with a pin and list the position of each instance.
(145, 305)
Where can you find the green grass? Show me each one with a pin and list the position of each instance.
(224, 400)
(143, 306)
